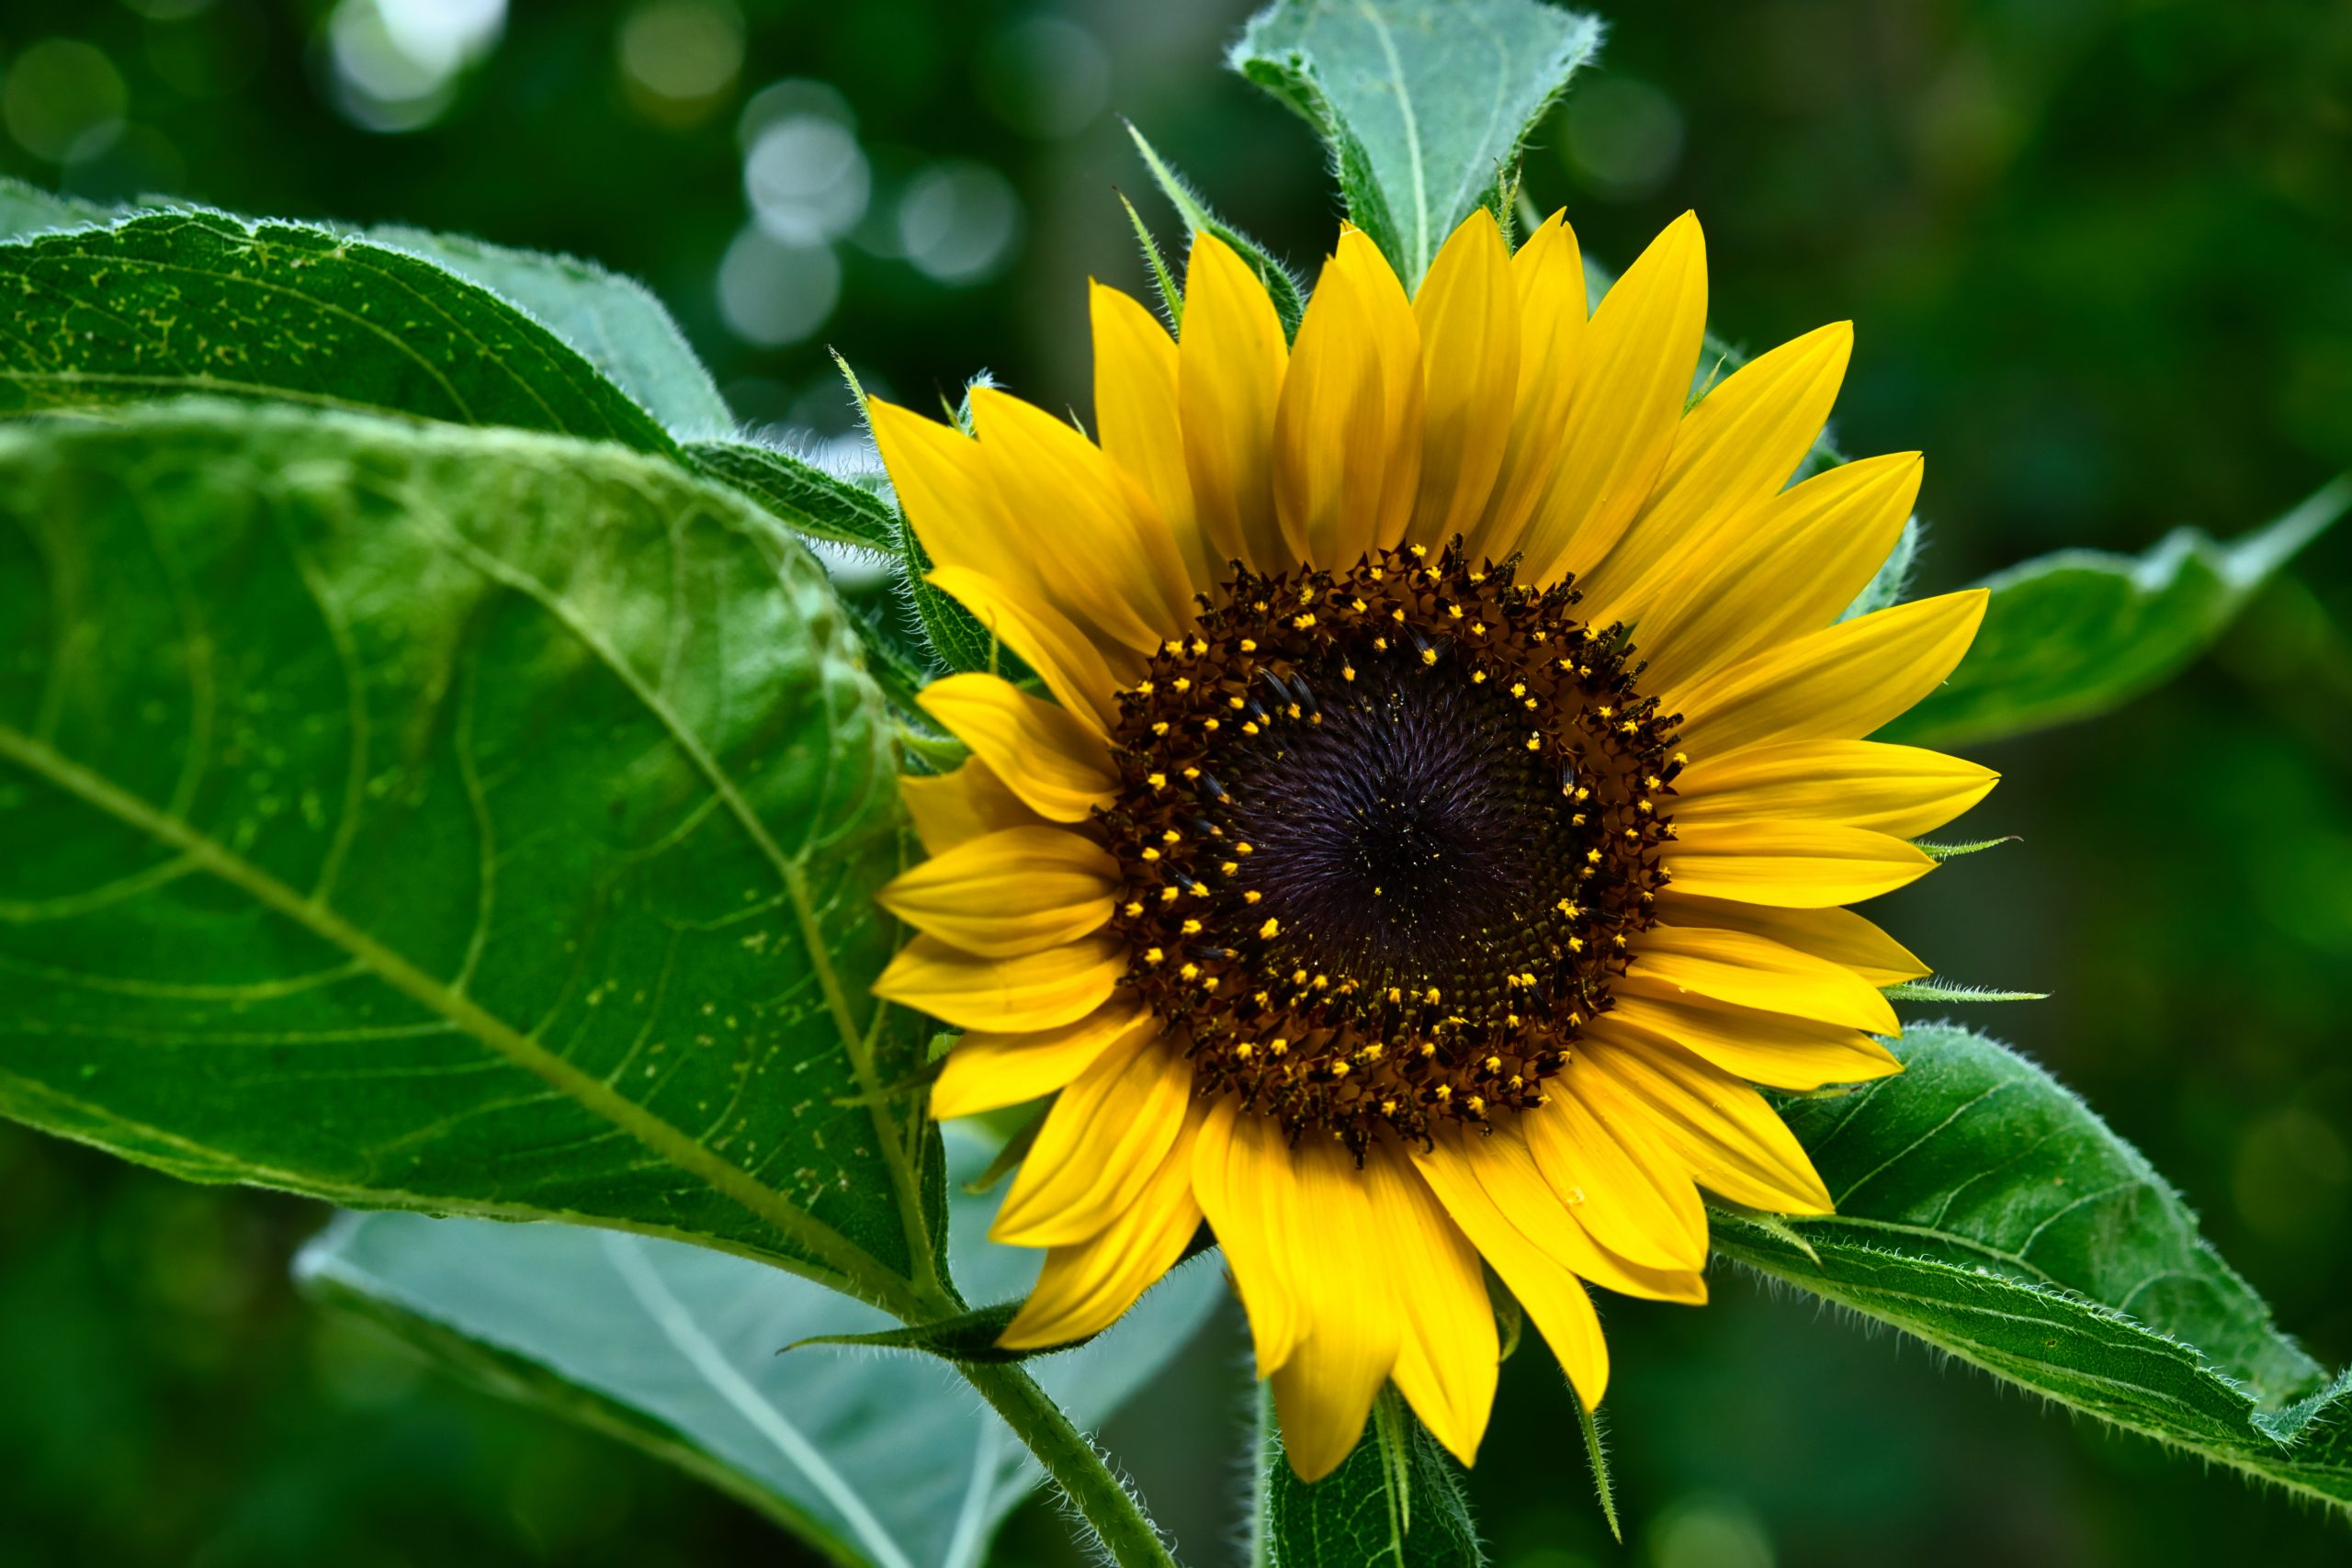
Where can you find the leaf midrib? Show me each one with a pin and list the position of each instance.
(841, 1265)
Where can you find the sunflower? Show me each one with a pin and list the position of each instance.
(1438, 819)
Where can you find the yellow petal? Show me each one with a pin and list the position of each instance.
(1553, 1296)
(949, 809)
(1752, 971)
(1040, 990)
(1801, 865)
(1841, 936)
(1101, 1142)
(1734, 1143)
(1838, 683)
(1735, 449)
(1640, 349)
(1241, 1175)
(1901, 790)
(1770, 1048)
(1229, 364)
(989, 1072)
(1354, 1322)
(1010, 893)
(1057, 766)
(1110, 553)
(1502, 1162)
(1467, 309)
(1071, 663)
(1348, 430)
(1136, 419)
(1633, 1197)
(1790, 566)
(1448, 1355)
(1547, 273)
(1087, 1286)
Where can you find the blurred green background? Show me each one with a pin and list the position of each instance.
(2099, 253)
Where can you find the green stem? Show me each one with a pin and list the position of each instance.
(1072, 1459)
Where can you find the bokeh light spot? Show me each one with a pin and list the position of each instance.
(63, 101)
(957, 223)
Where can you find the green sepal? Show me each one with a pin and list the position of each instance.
(801, 495)
(1281, 286)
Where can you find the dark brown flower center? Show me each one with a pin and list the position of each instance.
(1386, 835)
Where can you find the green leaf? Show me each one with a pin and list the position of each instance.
(471, 821)
(2074, 634)
(801, 495)
(170, 303)
(1985, 1209)
(1393, 1503)
(615, 321)
(1936, 989)
(881, 1461)
(28, 210)
(1423, 103)
(1281, 286)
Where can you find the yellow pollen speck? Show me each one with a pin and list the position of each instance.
(1380, 644)
(1477, 677)
(1535, 741)
(1235, 703)
(1159, 727)
(1277, 1045)
(1144, 688)
(1273, 928)
(1429, 656)
(1150, 854)
(1241, 849)
(1680, 758)
(1200, 645)
(1200, 889)
(1575, 944)
(1476, 1104)
(1389, 1107)
(1210, 984)
(1358, 606)
(1304, 621)
(1229, 867)
(1577, 820)
(1208, 724)
(1171, 649)
(1182, 684)
(1371, 1053)
(1172, 837)
(1569, 910)
(1133, 908)
(1167, 895)
(1291, 710)
(1619, 939)
(1251, 896)
(1248, 726)
(1347, 671)
(1594, 855)
(1644, 807)
(1322, 982)
(1339, 1070)
(1192, 773)
(1192, 927)
(1153, 955)
(1245, 1050)
(1420, 552)
(1298, 976)
(1455, 611)
(1477, 628)
(1156, 781)
(1444, 1092)
(1396, 994)
(1651, 781)
(1249, 645)
(1431, 996)
(1494, 1064)
(1190, 971)
(1519, 688)
(1605, 711)
(1396, 615)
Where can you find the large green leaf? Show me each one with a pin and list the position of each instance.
(471, 821)
(28, 210)
(1393, 1503)
(802, 495)
(1984, 1208)
(2073, 634)
(884, 1461)
(169, 303)
(615, 321)
(1423, 103)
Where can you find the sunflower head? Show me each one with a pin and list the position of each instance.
(1448, 775)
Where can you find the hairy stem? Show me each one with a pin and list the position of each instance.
(1077, 1467)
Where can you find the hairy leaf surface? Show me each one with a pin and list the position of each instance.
(1984, 1208)
(1423, 103)
(469, 821)
(1393, 1503)
(165, 304)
